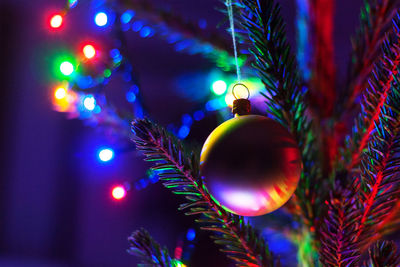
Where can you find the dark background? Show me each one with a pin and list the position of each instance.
(55, 204)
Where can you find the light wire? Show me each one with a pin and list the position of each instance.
(232, 26)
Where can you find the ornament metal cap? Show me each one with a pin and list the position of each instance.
(241, 106)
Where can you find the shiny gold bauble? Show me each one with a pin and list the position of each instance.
(251, 165)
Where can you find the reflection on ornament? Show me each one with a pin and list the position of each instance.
(251, 165)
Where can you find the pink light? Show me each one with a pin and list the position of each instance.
(118, 192)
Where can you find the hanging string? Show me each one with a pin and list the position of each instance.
(232, 26)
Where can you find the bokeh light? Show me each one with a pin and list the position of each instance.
(72, 3)
(101, 19)
(66, 68)
(89, 51)
(191, 234)
(60, 93)
(56, 21)
(118, 192)
(106, 154)
(229, 98)
(64, 100)
(127, 16)
(89, 102)
(219, 87)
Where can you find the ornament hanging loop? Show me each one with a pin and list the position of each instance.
(242, 85)
(241, 106)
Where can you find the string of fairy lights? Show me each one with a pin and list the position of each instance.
(82, 76)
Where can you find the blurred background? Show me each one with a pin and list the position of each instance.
(56, 202)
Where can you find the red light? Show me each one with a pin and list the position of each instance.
(118, 192)
(56, 21)
(89, 51)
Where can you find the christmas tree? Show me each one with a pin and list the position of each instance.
(347, 199)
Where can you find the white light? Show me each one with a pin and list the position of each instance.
(60, 93)
(89, 103)
(106, 154)
(219, 87)
(66, 68)
(118, 192)
(101, 19)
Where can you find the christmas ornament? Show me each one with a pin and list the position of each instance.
(251, 164)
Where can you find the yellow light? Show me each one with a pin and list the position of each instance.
(89, 51)
(60, 93)
(229, 99)
(64, 100)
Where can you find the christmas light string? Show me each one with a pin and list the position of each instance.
(80, 89)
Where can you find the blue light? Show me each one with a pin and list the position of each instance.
(182, 45)
(145, 32)
(101, 19)
(198, 115)
(72, 3)
(130, 96)
(202, 23)
(186, 119)
(191, 234)
(135, 89)
(114, 53)
(106, 154)
(84, 82)
(127, 16)
(89, 102)
(183, 132)
(215, 104)
(137, 25)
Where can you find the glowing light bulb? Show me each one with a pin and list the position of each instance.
(191, 234)
(101, 19)
(56, 21)
(106, 154)
(229, 98)
(219, 87)
(89, 102)
(89, 51)
(118, 192)
(66, 68)
(60, 93)
(72, 3)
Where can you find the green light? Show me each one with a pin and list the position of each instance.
(66, 68)
(219, 87)
(107, 73)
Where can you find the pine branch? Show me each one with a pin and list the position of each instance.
(379, 187)
(145, 247)
(391, 222)
(380, 165)
(179, 171)
(375, 19)
(337, 234)
(277, 69)
(383, 253)
(379, 87)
